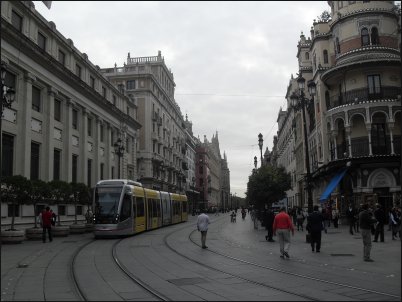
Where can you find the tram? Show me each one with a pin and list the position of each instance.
(124, 207)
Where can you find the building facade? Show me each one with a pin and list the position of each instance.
(161, 148)
(353, 122)
(66, 115)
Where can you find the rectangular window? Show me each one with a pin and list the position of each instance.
(35, 99)
(128, 110)
(79, 210)
(130, 84)
(89, 172)
(74, 168)
(114, 100)
(374, 85)
(104, 91)
(112, 172)
(62, 57)
(34, 161)
(78, 70)
(102, 167)
(75, 119)
(7, 155)
(16, 21)
(61, 210)
(57, 110)
(56, 164)
(111, 138)
(9, 80)
(16, 209)
(89, 126)
(92, 82)
(101, 132)
(41, 41)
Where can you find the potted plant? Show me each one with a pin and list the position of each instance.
(39, 192)
(79, 195)
(59, 192)
(14, 190)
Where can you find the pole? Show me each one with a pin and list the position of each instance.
(307, 160)
(119, 163)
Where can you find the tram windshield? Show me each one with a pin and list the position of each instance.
(107, 204)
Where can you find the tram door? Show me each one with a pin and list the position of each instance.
(139, 210)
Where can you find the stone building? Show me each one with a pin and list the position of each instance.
(161, 147)
(353, 121)
(66, 115)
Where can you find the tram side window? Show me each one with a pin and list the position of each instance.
(125, 208)
(140, 206)
(154, 208)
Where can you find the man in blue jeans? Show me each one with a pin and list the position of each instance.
(366, 220)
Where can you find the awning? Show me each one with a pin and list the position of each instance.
(332, 184)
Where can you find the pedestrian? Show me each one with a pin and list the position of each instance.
(269, 221)
(395, 222)
(46, 223)
(335, 217)
(315, 225)
(379, 215)
(53, 220)
(350, 215)
(202, 226)
(282, 226)
(300, 219)
(366, 220)
(357, 224)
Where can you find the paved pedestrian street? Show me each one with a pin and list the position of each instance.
(169, 264)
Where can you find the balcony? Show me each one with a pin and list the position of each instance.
(362, 94)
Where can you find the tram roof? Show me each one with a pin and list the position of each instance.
(113, 182)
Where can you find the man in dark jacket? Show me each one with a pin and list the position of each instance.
(350, 214)
(366, 220)
(269, 217)
(314, 226)
(379, 215)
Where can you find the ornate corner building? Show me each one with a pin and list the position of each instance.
(353, 122)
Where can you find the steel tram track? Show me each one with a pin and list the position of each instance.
(79, 288)
(340, 285)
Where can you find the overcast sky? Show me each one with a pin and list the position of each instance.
(231, 61)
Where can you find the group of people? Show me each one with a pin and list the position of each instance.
(370, 223)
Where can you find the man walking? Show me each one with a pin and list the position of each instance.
(379, 215)
(315, 224)
(202, 226)
(46, 223)
(350, 214)
(269, 217)
(365, 221)
(283, 226)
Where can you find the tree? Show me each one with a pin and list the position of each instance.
(80, 195)
(267, 185)
(15, 190)
(60, 191)
(39, 192)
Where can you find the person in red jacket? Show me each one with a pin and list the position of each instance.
(46, 224)
(283, 226)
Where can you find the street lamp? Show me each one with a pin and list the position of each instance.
(260, 141)
(119, 150)
(7, 98)
(298, 103)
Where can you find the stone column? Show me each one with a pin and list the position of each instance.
(96, 163)
(368, 127)
(48, 136)
(391, 136)
(24, 120)
(333, 136)
(83, 147)
(107, 159)
(67, 153)
(348, 131)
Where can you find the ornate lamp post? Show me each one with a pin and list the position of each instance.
(260, 142)
(255, 162)
(119, 150)
(298, 103)
(7, 98)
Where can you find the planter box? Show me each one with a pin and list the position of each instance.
(34, 233)
(60, 231)
(9, 236)
(77, 228)
(89, 227)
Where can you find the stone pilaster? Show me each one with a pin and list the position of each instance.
(48, 135)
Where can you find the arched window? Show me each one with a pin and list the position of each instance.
(365, 37)
(327, 101)
(374, 36)
(307, 56)
(325, 56)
